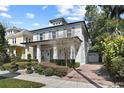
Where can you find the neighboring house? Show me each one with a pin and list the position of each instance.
(46, 43)
(15, 37)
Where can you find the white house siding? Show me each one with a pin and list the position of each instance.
(80, 57)
(77, 30)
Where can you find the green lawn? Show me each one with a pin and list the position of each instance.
(16, 83)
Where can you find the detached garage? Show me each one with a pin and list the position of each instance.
(93, 57)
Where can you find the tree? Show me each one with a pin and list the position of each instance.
(100, 23)
(14, 66)
(113, 11)
(64, 44)
(29, 65)
(4, 58)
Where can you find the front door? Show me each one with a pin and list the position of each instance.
(45, 55)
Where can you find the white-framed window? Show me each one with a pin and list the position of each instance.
(54, 34)
(41, 36)
(69, 33)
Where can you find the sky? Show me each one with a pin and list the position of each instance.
(37, 16)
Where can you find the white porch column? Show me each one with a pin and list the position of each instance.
(72, 52)
(26, 52)
(14, 51)
(38, 53)
(55, 54)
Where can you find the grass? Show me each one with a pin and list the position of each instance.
(16, 83)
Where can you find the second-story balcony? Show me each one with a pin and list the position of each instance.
(53, 35)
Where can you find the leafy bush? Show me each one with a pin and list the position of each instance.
(51, 69)
(38, 69)
(13, 67)
(48, 72)
(21, 65)
(117, 68)
(70, 62)
(29, 68)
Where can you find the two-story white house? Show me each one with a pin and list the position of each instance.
(47, 43)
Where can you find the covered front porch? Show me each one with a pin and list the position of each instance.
(47, 50)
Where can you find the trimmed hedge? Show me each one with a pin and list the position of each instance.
(70, 62)
(26, 60)
(21, 65)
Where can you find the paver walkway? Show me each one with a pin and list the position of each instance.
(90, 73)
(51, 82)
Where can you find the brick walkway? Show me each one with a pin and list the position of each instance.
(91, 73)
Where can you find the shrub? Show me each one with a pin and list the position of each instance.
(29, 57)
(50, 69)
(58, 70)
(38, 69)
(77, 64)
(48, 72)
(70, 62)
(117, 68)
(21, 65)
(13, 65)
(29, 68)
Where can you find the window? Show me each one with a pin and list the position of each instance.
(26, 39)
(69, 33)
(41, 36)
(54, 34)
(15, 40)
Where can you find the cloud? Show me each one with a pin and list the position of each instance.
(73, 18)
(36, 24)
(44, 7)
(3, 8)
(72, 13)
(5, 15)
(64, 9)
(16, 22)
(30, 15)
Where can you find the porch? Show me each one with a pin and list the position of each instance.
(47, 50)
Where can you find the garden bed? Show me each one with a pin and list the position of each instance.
(50, 69)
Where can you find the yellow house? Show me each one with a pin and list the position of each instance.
(16, 36)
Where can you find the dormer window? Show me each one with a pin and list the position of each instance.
(58, 21)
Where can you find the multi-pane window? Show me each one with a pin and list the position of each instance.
(14, 40)
(41, 36)
(69, 33)
(54, 34)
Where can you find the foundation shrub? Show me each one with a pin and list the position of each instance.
(70, 63)
(48, 72)
(38, 69)
(51, 69)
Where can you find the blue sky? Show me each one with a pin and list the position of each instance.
(38, 16)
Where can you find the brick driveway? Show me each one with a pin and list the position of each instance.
(93, 73)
